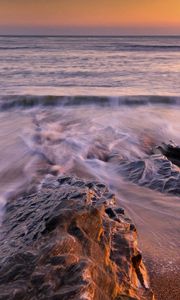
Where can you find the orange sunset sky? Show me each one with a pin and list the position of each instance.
(90, 17)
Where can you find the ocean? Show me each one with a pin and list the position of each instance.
(96, 108)
(107, 66)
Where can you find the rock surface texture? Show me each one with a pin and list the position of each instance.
(158, 171)
(70, 241)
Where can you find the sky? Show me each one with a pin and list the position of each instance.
(90, 17)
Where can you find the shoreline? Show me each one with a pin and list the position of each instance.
(57, 149)
(163, 275)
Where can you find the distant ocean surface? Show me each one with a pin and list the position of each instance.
(107, 66)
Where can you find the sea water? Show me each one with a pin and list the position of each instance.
(96, 107)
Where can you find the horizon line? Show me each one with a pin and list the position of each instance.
(89, 35)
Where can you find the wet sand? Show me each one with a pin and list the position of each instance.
(165, 285)
(157, 222)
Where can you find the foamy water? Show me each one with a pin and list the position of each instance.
(100, 143)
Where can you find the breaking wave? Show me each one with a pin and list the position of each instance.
(27, 101)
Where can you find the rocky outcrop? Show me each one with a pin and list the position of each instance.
(158, 171)
(171, 151)
(70, 241)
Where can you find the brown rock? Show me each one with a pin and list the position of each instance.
(68, 241)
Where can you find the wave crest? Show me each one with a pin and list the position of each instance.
(27, 101)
